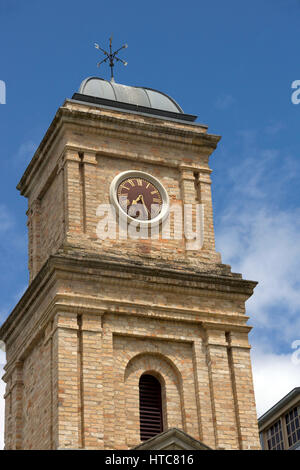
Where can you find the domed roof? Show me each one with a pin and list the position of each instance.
(145, 97)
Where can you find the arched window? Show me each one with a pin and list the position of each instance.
(151, 422)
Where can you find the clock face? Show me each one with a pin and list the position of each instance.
(139, 198)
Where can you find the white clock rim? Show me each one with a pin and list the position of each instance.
(139, 174)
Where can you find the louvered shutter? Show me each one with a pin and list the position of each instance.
(150, 407)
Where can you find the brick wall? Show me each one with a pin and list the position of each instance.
(69, 180)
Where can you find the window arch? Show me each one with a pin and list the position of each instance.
(151, 420)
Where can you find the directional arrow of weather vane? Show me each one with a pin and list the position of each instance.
(111, 57)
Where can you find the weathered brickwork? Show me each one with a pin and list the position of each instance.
(98, 314)
(63, 195)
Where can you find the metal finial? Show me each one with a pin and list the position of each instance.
(111, 56)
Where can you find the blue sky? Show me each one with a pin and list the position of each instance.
(232, 63)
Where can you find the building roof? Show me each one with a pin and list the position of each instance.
(173, 439)
(98, 90)
(95, 86)
(278, 406)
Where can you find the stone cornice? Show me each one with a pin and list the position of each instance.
(151, 128)
(38, 159)
(68, 303)
(122, 270)
(186, 275)
(148, 128)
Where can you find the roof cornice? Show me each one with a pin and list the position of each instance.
(166, 276)
(94, 117)
(280, 405)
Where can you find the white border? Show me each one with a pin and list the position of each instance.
(139, 174)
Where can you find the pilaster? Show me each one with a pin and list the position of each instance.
(67, 405)
(16, 396)
(203, 395)
(88, 177)
(73, 204)
(107, 359)
(240, 363)
(203, 187)
(221, 391)
(90, 334)
(189, 201)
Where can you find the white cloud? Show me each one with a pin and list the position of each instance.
(274, 376)
(264, 246)
(275, 127)
(224, 101)
(11, 234)
(260, 238)
(6, 219)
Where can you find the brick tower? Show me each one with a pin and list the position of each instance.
(99, 314)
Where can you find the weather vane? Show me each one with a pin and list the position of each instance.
(112, 57)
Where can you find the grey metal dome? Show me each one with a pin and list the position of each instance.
(145, 97)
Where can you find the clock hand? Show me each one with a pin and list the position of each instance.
(137, 200)
(142, 199)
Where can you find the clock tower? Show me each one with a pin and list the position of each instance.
(131, 329)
